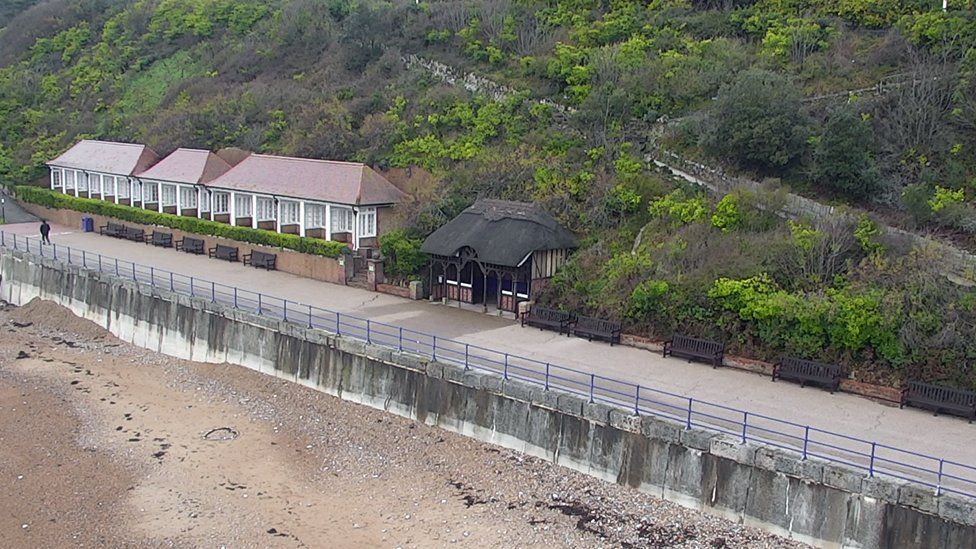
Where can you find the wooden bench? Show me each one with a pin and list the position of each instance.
(115, 230)
(134, 234)
(161, 239)
(692, 348)
(544, 318)
(190, 245)
(227, 253)
(596, 328)
(939, 399)
(261, 260)
(808, 371)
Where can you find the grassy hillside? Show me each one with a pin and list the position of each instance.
(759, 87)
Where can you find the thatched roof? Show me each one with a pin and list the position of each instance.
(500, 232)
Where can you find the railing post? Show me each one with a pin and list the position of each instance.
(191, 286)
(84, 260)
(688, 422)
(400, 344)
(874, 447)
(466, 356)
(134, 277)
(117, 267)
(172, 287)
(938, 487)
(433, 349)
(69, 255)
(235, 297)
(260, 312)
(99, 263)
(284, 309)
(806, 440)
(310, 316)
(505, 371)
(745, 422)
(338, 322)
(368, 330)
(152, 276)
(637, 401)
(54, 248)
(213, 292)
(592, 380)
(547, 376)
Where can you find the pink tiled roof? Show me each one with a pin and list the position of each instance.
(107, 157)
(187, 166)
(325, 180)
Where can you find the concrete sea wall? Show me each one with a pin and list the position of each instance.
(820, 503)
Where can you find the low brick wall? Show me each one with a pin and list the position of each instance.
(315, 267)
(879, 392)
(390, 289)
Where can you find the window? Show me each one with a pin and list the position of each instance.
(108, 185)
(342, 220)
(188, 197)
(205, 201)
(150, 192)
(69, 179)
(290, 212)
(82, 180)
(367, 222)
(123, 185)
(242, 205)
(266, 209)
(314, 215)
(221, 203)
(55, 178)
(169, 195)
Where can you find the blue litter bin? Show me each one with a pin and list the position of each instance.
(87, 224)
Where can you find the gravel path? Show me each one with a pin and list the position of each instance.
(103, 443)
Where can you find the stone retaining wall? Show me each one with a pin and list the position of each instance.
(820, 503)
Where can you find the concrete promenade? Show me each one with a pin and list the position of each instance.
(909, 429)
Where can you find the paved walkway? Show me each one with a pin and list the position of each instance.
(908, 429)
(13, 213)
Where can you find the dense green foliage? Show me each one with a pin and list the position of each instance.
(51, 199)
(756, 86)
(402, 254)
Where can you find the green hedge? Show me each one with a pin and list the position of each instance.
(51, 199)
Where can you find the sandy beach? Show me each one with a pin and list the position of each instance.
(106, 444)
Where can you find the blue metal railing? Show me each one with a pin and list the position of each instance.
(942, 475)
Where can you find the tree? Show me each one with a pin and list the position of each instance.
(757, 121)
(843, 159)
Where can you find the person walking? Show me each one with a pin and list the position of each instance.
(45, 231)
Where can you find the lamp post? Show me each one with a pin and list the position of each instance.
(3, 210)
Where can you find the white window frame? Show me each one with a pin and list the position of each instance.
(168, 195)
(242, 204)
(108, 184)
(69, 176)
(150, 193)
(81, 180)
(188, 197)
(342, 219)
(265, 208)
(122, 186)
(204, 201)
(367, 222)
(221, 203)
(315, 216)
(57, 178)
(291, 211)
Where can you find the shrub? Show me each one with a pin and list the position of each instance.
(402, 253)
(678, 208)
(646, 298)
(51, 199)
(727, 215)
(945, 197)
